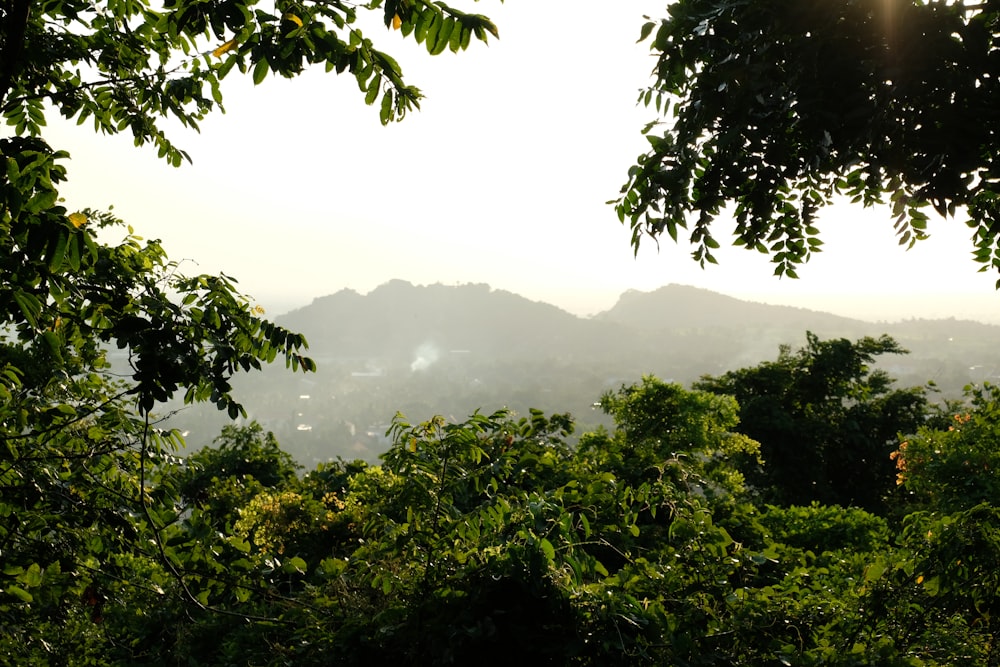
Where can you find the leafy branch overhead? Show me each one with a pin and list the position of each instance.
(79, 436)
(69, 293)
(770, 110)
(127, 65)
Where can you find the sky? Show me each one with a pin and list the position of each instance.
(501, 178)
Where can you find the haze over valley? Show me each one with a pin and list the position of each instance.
(452, 350)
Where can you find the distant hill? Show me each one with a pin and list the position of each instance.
(714, 332)
(678, 330)
(397, 318)
(436, 349)
(686, 307)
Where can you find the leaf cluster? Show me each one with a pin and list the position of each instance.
(126, 65)
(771, 111)
(491, 540)
(827, 419)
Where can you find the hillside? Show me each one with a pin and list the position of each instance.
(436, 349)
(694, 308)
(397, 318)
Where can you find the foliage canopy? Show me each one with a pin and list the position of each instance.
(487, 540)
(775, 109)
(79, 445)
(126, 65)
(827, 421)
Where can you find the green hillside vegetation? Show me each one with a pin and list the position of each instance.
(489, 540)
(796, 509)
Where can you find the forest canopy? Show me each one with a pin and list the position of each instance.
(490, 540)
(770, 111)
(665, 539)
(81, 442)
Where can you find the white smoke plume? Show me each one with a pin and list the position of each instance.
(426, 355)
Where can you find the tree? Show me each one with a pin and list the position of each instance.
(826, 422)
(954, 468)
(219, 479)
(666, 432)
(127, 65)
(79, 441)
(490, 541)
(777, 109)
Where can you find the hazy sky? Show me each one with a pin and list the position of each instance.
(502, 178)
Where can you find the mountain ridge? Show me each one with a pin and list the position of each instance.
(704, 307)
(398, 316)
(422, 350)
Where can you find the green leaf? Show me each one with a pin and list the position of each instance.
(294, 565)
(32, 577)
(433, 26)
(57, 249)
(333, 566)
(20, 593)
(260, 71)
(385, 111)
(239, 543)
(426, 18)
(443, 36)
(373, 89)
(54, 344)
(647, 28)
(227, 65)
(874, 571)
(547, 549)
(407, 27)
(455, 41)
(42, 201)
(74, 250)
(30, 306)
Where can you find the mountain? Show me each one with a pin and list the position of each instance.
(712, 333)
(397, 318)
(686, 307)
(435, 349)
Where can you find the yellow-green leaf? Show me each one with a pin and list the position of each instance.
(228, 46)
(19, 592)
(547, 549)
(372, 93)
